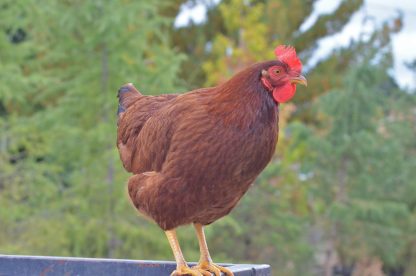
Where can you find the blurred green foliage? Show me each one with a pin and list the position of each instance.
(340, 192)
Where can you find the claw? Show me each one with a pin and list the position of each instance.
(214, 268)
(204, 272)
(185, 270)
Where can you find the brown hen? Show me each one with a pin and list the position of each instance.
(194, 155)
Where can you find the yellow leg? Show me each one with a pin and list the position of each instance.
(181, 267)
(205, 262)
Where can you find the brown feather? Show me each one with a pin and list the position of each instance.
(204, 148)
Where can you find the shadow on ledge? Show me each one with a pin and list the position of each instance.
(15, 265)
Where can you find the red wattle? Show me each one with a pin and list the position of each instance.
(285, 93)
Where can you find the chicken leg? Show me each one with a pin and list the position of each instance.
(181, 267)
(205, 262)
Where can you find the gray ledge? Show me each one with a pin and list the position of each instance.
(16, 265)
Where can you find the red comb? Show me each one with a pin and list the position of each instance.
(287, 54)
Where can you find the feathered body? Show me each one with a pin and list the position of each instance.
(194, 155)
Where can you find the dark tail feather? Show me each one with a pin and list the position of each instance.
(127, 95)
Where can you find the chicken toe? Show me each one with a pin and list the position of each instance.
(185, 270)
(214, 268)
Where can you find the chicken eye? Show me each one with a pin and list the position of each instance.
(277, 71)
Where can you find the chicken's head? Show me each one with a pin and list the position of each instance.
(281, 78)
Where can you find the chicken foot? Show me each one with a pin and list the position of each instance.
(205, 262)
(181, 267)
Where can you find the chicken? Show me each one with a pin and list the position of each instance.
(193, 156)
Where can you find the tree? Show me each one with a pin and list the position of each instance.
(361, 163)
(61, 186)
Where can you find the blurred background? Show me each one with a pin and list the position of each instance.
(339, 197)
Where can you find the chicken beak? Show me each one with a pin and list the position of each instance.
(299, 80)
